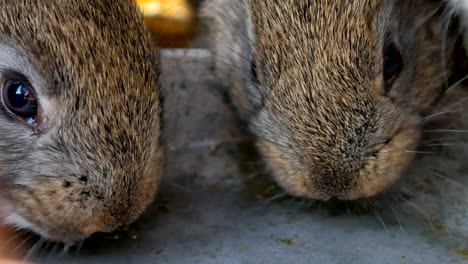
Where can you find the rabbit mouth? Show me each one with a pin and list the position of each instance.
(332, 176)
(389, 163)
(21, 223)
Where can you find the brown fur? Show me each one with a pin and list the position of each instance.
(95, 162)
(325, 125)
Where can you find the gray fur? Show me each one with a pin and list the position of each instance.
(93, 163)
(324, 124)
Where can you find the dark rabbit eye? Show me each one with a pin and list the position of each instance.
(19, 100)
(393, 64)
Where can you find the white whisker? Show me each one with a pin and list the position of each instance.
(423, 214)
(457, 83)
(396, 217)
(459, 102)
(34, 248)
(21, 244)
(439, 144)
(10, 240)
(419, 152)
(209, 143)
(381, 221)
(79, 247)
(447, 179)
(446, 131)
(276, 197)
(438, 114)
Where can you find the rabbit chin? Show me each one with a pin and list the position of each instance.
(18, 222)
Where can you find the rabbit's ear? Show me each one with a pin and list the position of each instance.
(231, 24)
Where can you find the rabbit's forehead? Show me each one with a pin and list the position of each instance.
(315, 33)
(81, 55)
(308, 52)
(79, 43)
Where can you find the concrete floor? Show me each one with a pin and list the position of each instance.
(216, 205)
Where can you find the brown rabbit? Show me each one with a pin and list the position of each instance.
(335, 91)
(460, 8)
(80, 147)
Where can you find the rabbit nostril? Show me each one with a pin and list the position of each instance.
(387, 141)
(374, 151)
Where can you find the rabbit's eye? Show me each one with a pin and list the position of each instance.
(19, 100)
(393, 64)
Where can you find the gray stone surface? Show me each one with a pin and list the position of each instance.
(217, 205)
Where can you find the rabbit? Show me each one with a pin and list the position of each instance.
(335, 92)
(80, 117)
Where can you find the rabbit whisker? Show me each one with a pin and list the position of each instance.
(438, 114)
(458, 102)
(446, 131)
(21, 244)
(9, 241)
(382, 222)
(457, 83)
(34, 248)
(396, 217)
(79, 247)
(445, 178)
(439, 144)
(419, 152)
(424, 214)
(209, 143)
(66, 249)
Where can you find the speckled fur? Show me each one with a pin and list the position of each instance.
(95, 163)
(319, 108)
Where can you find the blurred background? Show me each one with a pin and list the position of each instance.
(172, 22)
